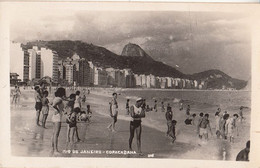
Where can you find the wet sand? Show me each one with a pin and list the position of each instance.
(30, 140)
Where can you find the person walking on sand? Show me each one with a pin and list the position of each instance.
(231, 127)
(77, 105)
(58, 107)
(188, 111)
(38, 103)
(137, 113)
(113, 109)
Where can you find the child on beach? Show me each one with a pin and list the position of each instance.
(127, 106)
(72, 123)
(89, 113)
(231, 127)
(45, 107)
(84, 98)
(69, 109)
(204, 126)
(38, 103)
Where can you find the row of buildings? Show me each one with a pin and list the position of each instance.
(80, 72)
(36, 63)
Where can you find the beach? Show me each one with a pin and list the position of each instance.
(27, 139)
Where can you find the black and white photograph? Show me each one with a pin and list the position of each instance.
(150, 84)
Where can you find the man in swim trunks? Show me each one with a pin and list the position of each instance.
(113, 111)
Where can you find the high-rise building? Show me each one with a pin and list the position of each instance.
(111, 73)
(17, 60)
(69, 73)
(138, 80)
(84, 73)
(148, 81)
(143, 80)
(91, 73)
(50, 64)
(100, 77)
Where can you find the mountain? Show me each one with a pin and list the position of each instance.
(217, 79)
(134, 50)
(100, 56)
(135, 58)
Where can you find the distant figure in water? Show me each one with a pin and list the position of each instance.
(137, 113)
(181, 106)
(199, 120)
(127, 107)
(155, 105)
(168, 116)
(222, 126)
(188, 111)
(189, 120)
(243, 154)
(204, 125)
(241, 114)
(163, 108)
(113, 112)
(231, 127)
(217, 119)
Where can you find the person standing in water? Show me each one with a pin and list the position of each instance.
(168, 116)
(163, 108)
(231, 127)
(45, 107)
(241, 114)
(113, 109)
(38, 103)
(127, 107)
(155, 105)
(204, 126)
(137, 113)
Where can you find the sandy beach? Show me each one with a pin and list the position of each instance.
(27, 139)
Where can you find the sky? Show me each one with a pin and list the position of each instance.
(191, 42)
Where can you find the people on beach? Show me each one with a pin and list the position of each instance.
(199, 121)
(127, 107)
(84, 98)
(204, 126)
(89, 113)
(45, 107)
(68, 111)
(222, 126)
(231, 127)
(113, 109)
(168, 116)
(15, 93)
(188, 111)
(38, 103)
(72, 123)
(155, 105)
(77, 103)
(137, 113)
(243, 155)
(180, 105)
(217, 119)
(162, 107)
(58, 106)
(241, 114)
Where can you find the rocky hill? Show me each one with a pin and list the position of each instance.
(217, 79)
(135, 58)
